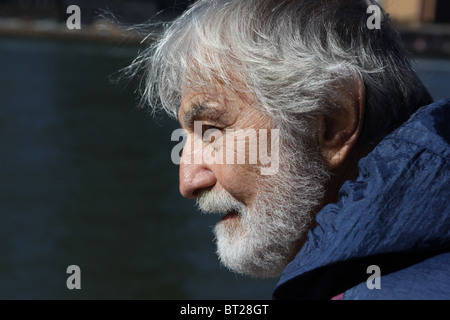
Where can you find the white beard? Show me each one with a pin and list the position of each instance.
(261, 241)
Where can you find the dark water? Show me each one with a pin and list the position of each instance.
(86, 179)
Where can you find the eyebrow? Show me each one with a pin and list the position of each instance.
(198, 112)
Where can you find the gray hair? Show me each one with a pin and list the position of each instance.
(289, 56)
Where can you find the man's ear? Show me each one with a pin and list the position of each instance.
(340, 129)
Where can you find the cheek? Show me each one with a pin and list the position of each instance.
(241, 147)
(239, 180)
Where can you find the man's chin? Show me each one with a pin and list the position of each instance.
(231, 229)
(243, 255)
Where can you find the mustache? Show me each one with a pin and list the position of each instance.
(219, 201)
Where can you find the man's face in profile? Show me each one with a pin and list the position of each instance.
(266, 217)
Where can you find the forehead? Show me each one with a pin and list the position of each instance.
(217, 97)
(203, 94)
(223, 107)
(224, 85)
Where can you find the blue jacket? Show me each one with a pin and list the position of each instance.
(394, 216)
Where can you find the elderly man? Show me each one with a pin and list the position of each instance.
(357, 206)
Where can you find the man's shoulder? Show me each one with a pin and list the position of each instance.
(426, 280)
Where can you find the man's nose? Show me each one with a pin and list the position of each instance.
(195, 178)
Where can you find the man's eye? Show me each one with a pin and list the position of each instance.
(210, 133)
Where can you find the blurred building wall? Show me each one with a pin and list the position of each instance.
(132, 11)
(418, 11)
